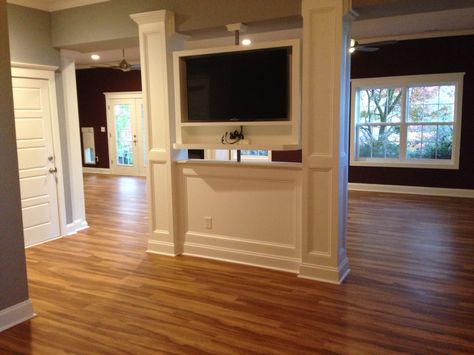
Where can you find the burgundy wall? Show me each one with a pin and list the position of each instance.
(91, 84)
(423, 56)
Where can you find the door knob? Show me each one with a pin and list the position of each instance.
(53, 170)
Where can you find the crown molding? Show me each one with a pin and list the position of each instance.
(54, 5)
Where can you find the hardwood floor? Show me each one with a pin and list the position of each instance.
(410, 290)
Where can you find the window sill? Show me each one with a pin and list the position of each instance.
(414, 165)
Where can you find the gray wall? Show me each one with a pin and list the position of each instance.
(30, 36)
(30, 42)
(13, 283)
(110, 21)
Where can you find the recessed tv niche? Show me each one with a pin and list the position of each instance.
(217, 90)
(236, 85)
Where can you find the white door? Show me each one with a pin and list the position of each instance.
(36, 160)
(127, 135)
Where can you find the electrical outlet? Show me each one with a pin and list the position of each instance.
(208, 222)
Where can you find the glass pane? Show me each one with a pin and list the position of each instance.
(379, 142)
(379, 105)
(445, 142)
(123, 135)
(254, 153)
(429, 142)
(414, 134)
(429, 149)
(431, 103)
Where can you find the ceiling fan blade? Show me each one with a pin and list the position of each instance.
(366, 49)
(135, 67)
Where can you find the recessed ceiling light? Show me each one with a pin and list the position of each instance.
(95, 57)
(246, 42)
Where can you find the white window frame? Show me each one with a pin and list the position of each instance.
(404, 82)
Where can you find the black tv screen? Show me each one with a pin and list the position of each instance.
(239, 86)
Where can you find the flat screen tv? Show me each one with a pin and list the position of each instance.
(249, 85)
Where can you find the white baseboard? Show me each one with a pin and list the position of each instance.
(16, 314)
(334, 275)
(76, 226)
(96, 170)
(161, 248)
(267, 261)
(414, 190)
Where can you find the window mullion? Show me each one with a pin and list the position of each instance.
(403, 124)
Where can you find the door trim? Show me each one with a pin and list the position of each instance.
(43, 72)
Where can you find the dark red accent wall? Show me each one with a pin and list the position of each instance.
(423, 56)
(91, 85)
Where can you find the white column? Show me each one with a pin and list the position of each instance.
(73, 140)
(157, 40)
(326, 29)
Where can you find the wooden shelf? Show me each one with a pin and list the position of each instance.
(236, 146)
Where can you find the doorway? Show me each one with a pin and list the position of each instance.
(126, 133)
(39, 162)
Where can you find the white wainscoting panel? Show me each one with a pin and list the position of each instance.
(255, 213)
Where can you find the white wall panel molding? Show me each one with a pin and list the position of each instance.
(326, 31)
(254, 212)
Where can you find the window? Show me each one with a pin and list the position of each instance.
(407, 121)
(245, 155)
(255, 155)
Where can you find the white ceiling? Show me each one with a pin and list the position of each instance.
(54, 5)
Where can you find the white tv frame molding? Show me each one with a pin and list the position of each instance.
(272, 135)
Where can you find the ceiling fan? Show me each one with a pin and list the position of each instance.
(123, 65)
(368, 47)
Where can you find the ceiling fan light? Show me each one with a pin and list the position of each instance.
(95, 56)
(353, 42)
(352, 50)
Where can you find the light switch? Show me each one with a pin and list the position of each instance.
(102, 129)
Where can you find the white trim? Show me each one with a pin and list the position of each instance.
(54, 5)
(123, 95)
(44, 242)
(73, 140)
(76, 226)
(404, 82)
(333, 275)
(238, 256)
(96, 171)
(34, 66)
(414, 190)
(16, 314)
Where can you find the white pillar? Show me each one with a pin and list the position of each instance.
(157, 40)
(73, 140)
(326, 31)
